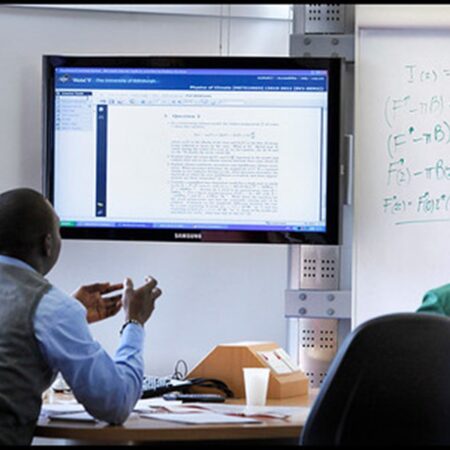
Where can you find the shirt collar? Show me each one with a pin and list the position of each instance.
(15, 262)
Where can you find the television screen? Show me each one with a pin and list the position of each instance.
(212, 149)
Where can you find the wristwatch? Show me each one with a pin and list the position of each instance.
(128, 322)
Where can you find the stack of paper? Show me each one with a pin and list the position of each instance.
(177, 411)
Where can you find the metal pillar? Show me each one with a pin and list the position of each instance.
(318, 298)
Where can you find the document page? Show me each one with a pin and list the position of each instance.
(236, 164)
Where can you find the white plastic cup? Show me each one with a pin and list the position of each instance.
(256, 382)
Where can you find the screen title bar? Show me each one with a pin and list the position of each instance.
(195, 79)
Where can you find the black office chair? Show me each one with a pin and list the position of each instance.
(389, 383)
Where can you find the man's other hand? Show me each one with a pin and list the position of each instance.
(139, 303)
(98, 306)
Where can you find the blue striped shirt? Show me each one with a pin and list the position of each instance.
(107, 387)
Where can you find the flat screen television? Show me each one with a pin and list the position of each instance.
(209, 149)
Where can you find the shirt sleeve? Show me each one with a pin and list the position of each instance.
(436, 301)
(107, 387)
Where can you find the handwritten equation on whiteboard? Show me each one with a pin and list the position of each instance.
(417, 146)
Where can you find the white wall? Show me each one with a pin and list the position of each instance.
(213, 293)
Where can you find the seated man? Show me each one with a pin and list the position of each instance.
(44, 331)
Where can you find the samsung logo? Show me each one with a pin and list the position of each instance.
(188, 235)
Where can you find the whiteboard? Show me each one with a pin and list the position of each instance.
(402, 169)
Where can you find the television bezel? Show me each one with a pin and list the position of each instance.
(333, 197)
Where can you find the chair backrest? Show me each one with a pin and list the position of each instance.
(389, 383)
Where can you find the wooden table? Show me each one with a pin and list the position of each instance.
(142, 429)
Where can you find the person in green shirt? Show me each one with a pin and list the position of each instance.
(436, 301)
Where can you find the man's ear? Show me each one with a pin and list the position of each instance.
(48, 244)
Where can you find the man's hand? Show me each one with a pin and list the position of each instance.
(139, 303)
(99, 307)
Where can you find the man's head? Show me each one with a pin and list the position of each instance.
(29, 229)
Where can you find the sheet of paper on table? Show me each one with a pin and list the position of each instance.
(156, 404)
(75, 416)
(199, 418)
(61, 408)
(275, 412)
